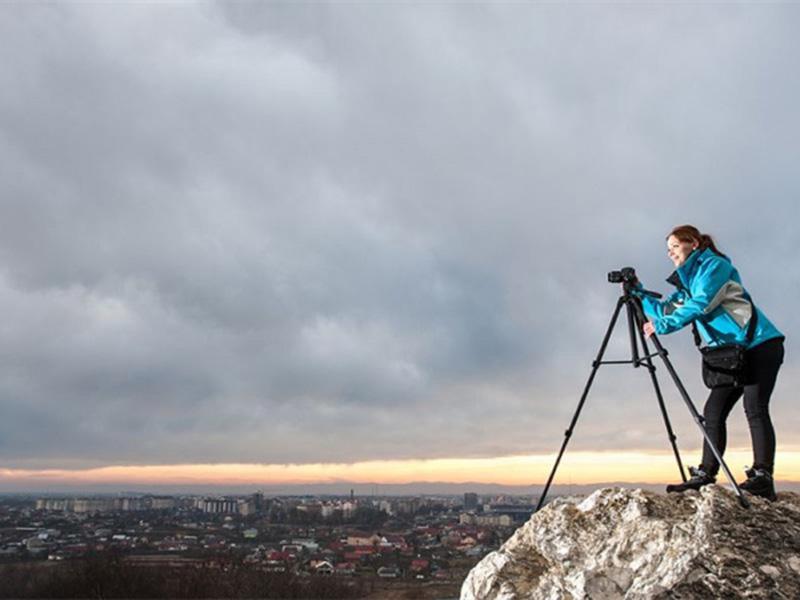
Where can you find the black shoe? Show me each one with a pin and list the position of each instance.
(699, 479)
(759, 483)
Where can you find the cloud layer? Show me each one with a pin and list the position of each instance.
(258, 232)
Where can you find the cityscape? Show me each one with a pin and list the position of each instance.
(355, 546)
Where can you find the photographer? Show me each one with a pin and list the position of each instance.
(711, 297)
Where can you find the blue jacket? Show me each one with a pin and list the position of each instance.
(710, 292)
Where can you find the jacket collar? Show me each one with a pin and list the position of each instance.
(681, 276)
(675, 280)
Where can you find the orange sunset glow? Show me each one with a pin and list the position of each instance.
(578, 468)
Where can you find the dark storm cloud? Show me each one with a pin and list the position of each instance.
(267, 232)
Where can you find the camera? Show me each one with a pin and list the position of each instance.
(625, 274)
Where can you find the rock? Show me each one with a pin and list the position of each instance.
(634, 544)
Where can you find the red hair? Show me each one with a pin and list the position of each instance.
(691, 234)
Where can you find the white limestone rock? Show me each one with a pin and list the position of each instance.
(634, 544)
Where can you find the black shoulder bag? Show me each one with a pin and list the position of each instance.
(724, 365)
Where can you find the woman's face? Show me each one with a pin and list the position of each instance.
(679, 251)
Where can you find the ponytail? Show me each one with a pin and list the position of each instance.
(690, 233)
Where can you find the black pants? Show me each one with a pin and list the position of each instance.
(763, 363)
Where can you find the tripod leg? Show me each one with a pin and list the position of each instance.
(652, 370)
(693, 411)
(568, 432)
(632, 332)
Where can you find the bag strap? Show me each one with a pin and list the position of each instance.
(697, 341)
(751, 326)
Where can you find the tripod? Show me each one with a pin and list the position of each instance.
(636, 320)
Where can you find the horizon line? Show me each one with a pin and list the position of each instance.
(581, 468)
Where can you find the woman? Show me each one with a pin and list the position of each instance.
(710, 294)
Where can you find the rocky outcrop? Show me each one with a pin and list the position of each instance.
(633, 544)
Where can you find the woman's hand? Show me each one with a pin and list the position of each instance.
(649, 329)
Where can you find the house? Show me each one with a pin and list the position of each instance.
(419, 564)
(322, 567)
(365, 551)
(337, 546)
(345, 568)
(389, 572)
(276, 561)
(467, 542)
(363, 539)
(395, 541)
(276, 556)
(305, 544)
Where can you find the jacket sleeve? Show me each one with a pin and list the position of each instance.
(656, 309)
(711, 276)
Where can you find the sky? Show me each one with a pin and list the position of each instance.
(332, 241)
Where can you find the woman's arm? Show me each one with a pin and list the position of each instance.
(656, 309)
(712, 275)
